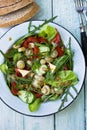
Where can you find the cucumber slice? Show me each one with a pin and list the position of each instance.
(44, 49)
(25, 96)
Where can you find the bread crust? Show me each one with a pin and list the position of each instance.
(7, 6)
(25, 14)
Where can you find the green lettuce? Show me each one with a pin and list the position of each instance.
(4, 68)
(65, 79)
(68, 76)
(48, 32)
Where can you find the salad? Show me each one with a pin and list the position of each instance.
(38, 67)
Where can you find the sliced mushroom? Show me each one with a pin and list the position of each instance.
(35, 83)
(42, 61)
(29, 62)
(20, 64)
(16, 46)
(39, 77)
(31, 45)
(21, 49)
(46, 90)
(54, 54)
(43, 68)
(28, 52)
(48, 59)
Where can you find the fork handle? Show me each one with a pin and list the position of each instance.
(84, 45)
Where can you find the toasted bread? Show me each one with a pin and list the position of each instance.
(19, 16)
(7, 6)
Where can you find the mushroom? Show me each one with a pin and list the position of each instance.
(45, 90)
(31, 45)
(39, 77)
(43, 68)
(48, 59)
(42, 61)
(20, 64)
(35, 83)
(16, 46)
(54, 54)
(21, 49)
(28, 52)
(29, 62)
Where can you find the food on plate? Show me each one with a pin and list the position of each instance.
(38, 67)
(19, 16)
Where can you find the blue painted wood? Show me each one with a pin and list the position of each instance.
(72, 118)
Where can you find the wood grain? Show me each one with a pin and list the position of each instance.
(75, 116)
(71, 118)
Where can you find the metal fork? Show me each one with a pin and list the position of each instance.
(85, 9)
(79, 9)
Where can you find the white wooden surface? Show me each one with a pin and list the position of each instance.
(72, 118)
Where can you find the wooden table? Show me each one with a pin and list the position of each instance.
(75, 116)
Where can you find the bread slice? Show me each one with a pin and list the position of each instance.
(7, 6)
(19, 16)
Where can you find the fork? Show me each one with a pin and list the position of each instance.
(79, 8)
(85, 9)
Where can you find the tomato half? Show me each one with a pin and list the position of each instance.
(25, 44)
(36, 51)
(14, 89)
(42, 40)
(29, 40)
(57, 38)
(66, 67)
(60, 50)
(33, 39)
(38, 95)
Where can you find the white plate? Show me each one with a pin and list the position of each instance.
(48, 107)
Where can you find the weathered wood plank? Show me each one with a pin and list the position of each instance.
(39, 123)
(85, 120)
(45, 10)
(67, 16)
(72, 118)
(10, 120)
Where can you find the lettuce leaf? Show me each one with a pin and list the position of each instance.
(65, 79)
(4, 68)
(68, 76)
(48, 32)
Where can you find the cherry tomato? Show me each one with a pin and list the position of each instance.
(33, 39)
(60, 50)
(66, 67)
(14, 89)
(29, 40)
(38, 95)
(57, 38)
(25, 44)
(36, 51)
(42, 40)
